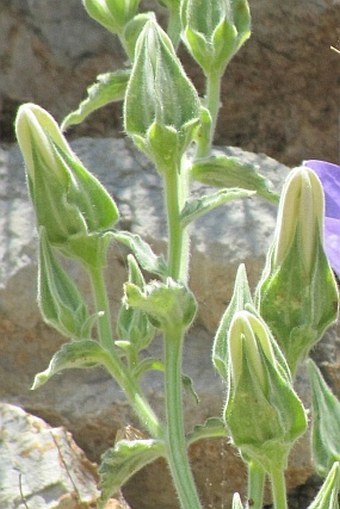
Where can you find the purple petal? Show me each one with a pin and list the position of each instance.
(332, 244)
(329, 174)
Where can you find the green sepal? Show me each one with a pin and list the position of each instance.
(122, 461)
(108, 88)
(84, 353)
(60, 302)
(241, 296)
(169, 305)
(213, 427)
(148, 260)
(237, 503)
(225, 171)
(198, 207)
(133, 325)
(328, 496)
(325, 434)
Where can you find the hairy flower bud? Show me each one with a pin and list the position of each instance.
(161, 104)
(297, 295)
(214, 31)
(262, 412)
(70, 204)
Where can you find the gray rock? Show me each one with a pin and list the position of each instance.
(280, 94)
(87, 402)
(41, 467)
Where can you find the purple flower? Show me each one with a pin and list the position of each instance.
(329, 174)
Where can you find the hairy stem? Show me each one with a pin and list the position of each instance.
(256, 478)
(279, 488)
(176, 443)
(115, 366)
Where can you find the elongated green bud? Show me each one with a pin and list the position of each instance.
(297, 295)
(263, 413)
(70, 204)
(161, 104)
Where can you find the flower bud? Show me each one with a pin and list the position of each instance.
(70, 203)
(263, 413)
(297, 295)
(169, 305)
(112, 14)
(214, 31)
(161, 105)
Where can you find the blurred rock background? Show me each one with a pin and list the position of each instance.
(281, 93)
(280, 97)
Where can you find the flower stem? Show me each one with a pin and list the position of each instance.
(178, 243)
(114, 365)
(279, 488)
(212, 101)
(256, 478)
(176, 443)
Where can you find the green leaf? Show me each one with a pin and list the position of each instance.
(225, 171)
(109, 87)
(122, 461)
(188, 385)
(241, 296)
(326, 422)
(148, 364)
(328, 496)
(78, 354)
(198, 207)
(213, 427)
(143, 252)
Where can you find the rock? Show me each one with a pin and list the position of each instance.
(42, 467)
(87, 402)
(280, 93)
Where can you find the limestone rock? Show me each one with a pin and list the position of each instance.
(41, 467)
(280, 93)
(87, 402)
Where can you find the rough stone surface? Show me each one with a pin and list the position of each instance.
(280, 94)
(87, 402)
(41, 466)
